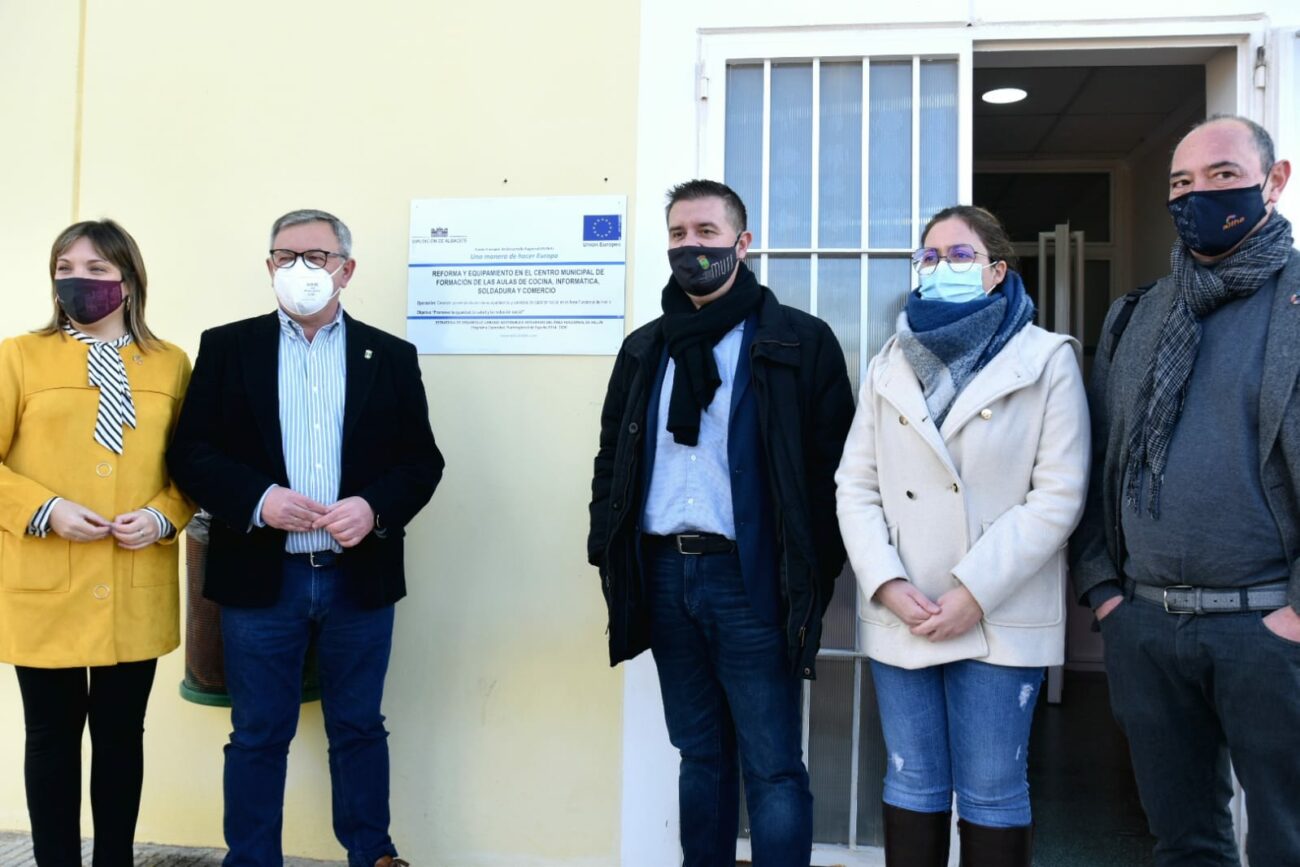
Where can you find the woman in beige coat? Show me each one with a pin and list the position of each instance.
(962, 477)
(88, 522)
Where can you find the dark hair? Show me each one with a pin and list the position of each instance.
(1262, 140)
(116, 245)
(704, 189)
(984, 224)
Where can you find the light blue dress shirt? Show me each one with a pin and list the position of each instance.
(313, 385)
(690, 487)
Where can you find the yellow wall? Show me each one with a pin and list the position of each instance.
(199, 124)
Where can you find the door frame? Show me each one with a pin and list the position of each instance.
(649, 815)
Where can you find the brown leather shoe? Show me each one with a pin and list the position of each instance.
(390, 861)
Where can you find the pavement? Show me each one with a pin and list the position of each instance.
(16, 851)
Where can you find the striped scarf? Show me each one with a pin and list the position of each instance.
(108, 374)
(1201, 290)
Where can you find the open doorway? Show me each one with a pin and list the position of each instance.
(1078, 172)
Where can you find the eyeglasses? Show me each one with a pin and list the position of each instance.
(310, 258)
(960, 258)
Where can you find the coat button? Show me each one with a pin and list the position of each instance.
(902, 419)
(101, 591)
(911, 496)
(955, 489)
(616, 505)
(633, 428)
(807, 672)
(986, 414)
(103, 469)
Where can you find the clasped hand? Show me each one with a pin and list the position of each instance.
(952, 614)
(76, 523)
(348, 521)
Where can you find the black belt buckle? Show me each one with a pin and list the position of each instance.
(321, 559)
(696, 544)
(680, 537)
(1196, 607)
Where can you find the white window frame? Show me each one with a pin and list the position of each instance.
(718, 50)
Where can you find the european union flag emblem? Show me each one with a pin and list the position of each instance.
(602, 227)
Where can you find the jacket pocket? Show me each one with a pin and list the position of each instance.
(1038, 601)
(871, 611)
(154, 566)
(32, 565)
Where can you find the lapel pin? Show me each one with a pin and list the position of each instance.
(369, 353)
(138, 360)
(1295, 297)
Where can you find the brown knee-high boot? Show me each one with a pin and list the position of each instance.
(982, 846)
(915, 839)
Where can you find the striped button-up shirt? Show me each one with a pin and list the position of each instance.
(313, 384)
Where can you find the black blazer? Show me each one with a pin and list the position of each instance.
(227, 450)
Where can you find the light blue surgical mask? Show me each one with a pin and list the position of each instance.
(945, 284)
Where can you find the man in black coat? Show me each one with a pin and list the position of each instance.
(305, 434)
(713, 524)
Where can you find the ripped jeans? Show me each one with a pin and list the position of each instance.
(961, 727)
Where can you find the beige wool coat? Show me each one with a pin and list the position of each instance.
(987, 501)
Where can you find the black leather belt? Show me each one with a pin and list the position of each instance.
(316, 559)
(695, 543)
(1185, 599)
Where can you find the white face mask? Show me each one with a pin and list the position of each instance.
(302, 290)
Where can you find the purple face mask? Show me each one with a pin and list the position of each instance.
(86, 300)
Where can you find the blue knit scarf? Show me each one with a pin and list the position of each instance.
(947, 343)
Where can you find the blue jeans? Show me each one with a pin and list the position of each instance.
(1189, 692)
(727, 684)
(264, 653)
(961, 727)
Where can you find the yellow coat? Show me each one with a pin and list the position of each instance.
(65, 604)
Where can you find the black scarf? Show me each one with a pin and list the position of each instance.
(691, 335)
(1201, 290)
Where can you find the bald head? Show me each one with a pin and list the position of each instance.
(1225, 153)
(1260, 140)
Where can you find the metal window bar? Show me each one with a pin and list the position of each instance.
(864, 252)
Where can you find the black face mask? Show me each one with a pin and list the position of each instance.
(1212, 222)
(701, 271)
(87, 300)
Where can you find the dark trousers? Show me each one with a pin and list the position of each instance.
(1192, 692)
(56, 705)
(728, 687)
(264, 653)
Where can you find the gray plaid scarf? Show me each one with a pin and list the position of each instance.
(1200, 291)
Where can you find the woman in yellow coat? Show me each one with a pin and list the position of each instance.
(88, 525)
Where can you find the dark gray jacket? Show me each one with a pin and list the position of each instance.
(1097, 548)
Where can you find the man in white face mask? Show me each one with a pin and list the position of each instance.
(305, 434)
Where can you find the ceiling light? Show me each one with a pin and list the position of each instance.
(1004, 95)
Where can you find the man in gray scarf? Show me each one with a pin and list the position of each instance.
(1189, 550)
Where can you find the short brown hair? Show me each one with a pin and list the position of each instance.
(116, 245)
(984, 224)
